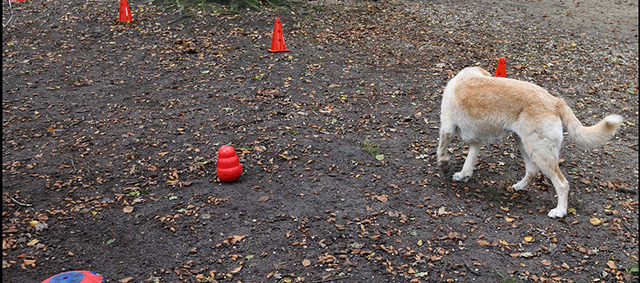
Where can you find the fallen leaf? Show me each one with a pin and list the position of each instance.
(237, 269)
(526, 254)
(528, 239)
(126, 280)
(306, 262)
(612, 264)
(236, 238)
(263, 198)
(483, 243)
(128, 209)
(545, 262)
(29, 261)
(595, 221)
(382, 198)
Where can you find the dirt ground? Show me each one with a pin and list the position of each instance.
(110, 134)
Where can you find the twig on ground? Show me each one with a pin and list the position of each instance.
(626, 191)
(20, 203)
(471, 270)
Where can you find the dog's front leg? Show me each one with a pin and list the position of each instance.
(467, 168)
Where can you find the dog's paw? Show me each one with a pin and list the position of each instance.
(520, 186)
(461, 177)
(446, 167)
(557, 212)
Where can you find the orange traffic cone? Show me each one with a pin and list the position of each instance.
(277, 42)
(125, 13)
(500, 70)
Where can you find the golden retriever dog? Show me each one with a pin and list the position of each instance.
(478, 107)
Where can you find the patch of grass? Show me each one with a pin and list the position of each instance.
(371, 148)
(633, 270)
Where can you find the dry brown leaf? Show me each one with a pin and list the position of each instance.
(382, 198)
(306, 262)
(545, 262)
(263, 198)
(128, 209)
(612, 264)
(236, 238)
(126, 280)
(237, 269)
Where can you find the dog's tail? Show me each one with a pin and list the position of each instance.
(588, 137)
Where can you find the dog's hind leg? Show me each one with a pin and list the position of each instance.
(530, 167)
(442, 155)
(469, 163)
(544, 151)
(552, 171)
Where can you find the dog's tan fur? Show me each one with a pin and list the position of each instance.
(479, 107)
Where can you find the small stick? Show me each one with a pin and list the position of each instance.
(20, 203)
(626, 191)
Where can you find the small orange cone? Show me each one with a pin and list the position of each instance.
(125, 13)
(277, 42)
(500, 70)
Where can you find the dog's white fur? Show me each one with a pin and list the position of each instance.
(478, 107)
